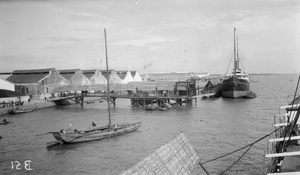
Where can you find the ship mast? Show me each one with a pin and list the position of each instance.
(234, 68)
(108, 91)
(237, 54)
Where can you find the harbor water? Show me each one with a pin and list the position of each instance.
(213, 126)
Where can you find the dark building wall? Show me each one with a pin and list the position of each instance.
(28, 89)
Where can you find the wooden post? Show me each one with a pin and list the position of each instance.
(113, 101)
(82, 101)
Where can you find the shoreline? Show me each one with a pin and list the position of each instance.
(40, 104)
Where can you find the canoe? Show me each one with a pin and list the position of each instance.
(22, 110)
(95, 133)
(4, 122)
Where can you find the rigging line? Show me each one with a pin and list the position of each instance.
(204, 169)
(289, 128)
(241, 148)
(229, 63)
(284, 145)
(236, 160)
(242, 65)
(99, 46)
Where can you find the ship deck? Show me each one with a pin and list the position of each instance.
(291, 163)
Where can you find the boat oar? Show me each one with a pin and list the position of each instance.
(44, 134)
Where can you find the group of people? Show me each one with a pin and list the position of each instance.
(4, 104)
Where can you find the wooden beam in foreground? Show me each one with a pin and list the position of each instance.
(296, 153)
(285, 173)
(286, 138)
(283, 124)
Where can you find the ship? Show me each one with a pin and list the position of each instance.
(236, 84)
(283, 150)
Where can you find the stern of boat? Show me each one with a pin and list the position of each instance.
(58, 136)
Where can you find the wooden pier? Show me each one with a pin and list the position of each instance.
(135, 99)
(140, 94)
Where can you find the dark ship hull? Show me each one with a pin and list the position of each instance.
(234, 87)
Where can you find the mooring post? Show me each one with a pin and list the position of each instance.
(82, 101)
(113, 100)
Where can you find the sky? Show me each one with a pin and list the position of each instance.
(150, 35)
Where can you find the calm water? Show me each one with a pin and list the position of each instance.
(214, 127)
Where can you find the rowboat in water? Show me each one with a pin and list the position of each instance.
(21, 110)
(4, 122)
(152, 106)
(96, 132)
(164, 107)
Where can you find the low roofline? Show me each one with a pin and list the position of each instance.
(32, 71)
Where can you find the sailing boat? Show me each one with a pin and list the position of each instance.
(95, 132)
(236, 85)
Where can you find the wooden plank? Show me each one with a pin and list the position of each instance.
(289, 106)
(282, 115)
(285, 173)
(296, 153)
(283, 124)
(281, 139)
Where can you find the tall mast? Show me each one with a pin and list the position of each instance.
(108, 91)
(237, 53)
(234, 68)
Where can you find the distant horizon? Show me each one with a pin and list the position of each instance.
(254, 73)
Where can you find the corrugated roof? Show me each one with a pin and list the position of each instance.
(32, 71)
(26, 78)
(89, 71)
(66, 71)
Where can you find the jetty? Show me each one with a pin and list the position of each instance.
(140, 94)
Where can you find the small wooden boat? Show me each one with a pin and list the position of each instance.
(250, 94)
(94, 133)
(164, 107)
(4, 122)
(21, 110)
(90, 102)
(152, 106)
